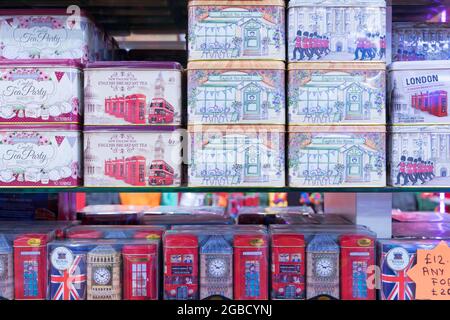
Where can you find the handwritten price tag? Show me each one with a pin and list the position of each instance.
(432, 273)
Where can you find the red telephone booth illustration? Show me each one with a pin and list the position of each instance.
(250, 267)
(288, 266)
(422, 101)
(160, 173)
(135, 168)
(414, 101)
(135, 105)
(108, 105)
(438, 103)
(140, 267)
(160, 111)
(357, 254)
(180, 267)
(119, 168)
(30, 267)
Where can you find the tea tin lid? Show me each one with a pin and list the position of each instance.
(419, 65)
(420, 25)
(236, 128)
(337, 3)
(129, 128)
(41, 127)
(237, 65)
(420, 129)
(337, 129)
(39, 12)
(157, 65)
(337, 66)
(49, 63)
(193, 3)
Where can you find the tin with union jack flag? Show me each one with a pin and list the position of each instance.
(68, 271)
(396, 258)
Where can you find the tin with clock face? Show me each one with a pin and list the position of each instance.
(6, 269)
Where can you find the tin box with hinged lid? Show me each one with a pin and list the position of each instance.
(419, 156)
(137, 93)
(332, 93)
(337, 156)
(40, 91)
(236, 30)
(337, 30)
(236, 92)
(418, 92)
(132, 156)
(236, 155)
(44, 156)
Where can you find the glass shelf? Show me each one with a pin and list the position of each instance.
(222, 189)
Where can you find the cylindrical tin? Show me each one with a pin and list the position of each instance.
(337, 156)
(132, 93)
(419, 156)
(236, 155)
(329, 30)
(40, 91)
(236, 30)
(44, 156)
(333, 93)
(418, 92)
(236, 92)
(132, 156)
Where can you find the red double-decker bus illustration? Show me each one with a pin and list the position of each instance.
(160, 173)
(434, 103)
(160, 111)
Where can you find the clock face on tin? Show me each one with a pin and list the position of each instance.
(217, 267)
(102, 276)
(324, 267)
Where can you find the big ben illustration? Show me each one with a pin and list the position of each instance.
(216, 268)
(103, 274)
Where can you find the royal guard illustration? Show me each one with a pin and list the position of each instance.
(6, 269)
(140, 266)
(30, 267)
(160, 172)
(103, 274)
(216, 268)
(68, 273)
(288, 266)
(181, 267)
(250, 267)
(322, 271)
(357, 255)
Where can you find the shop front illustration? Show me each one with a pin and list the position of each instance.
(325, 160)
(235, 96)
(236, 159)
(227, 33)
(336, 97)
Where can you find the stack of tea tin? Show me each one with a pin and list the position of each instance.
(336, 93)
(236, 93)
(132, 113)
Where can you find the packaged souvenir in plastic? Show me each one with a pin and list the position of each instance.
(339, 156)
(254, 156)
(40, 91)
(236, 92)
(49, 34)
(337, 30)
(6, 269)
(341, 93)
(181, 274)
(419, 156)
(110, 215)
(44, 156)
(132, 156)
(132, 93)
(413, 41)
(418, 92)
(236, 30)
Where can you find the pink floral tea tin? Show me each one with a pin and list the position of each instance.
(40, 91)
(132, 93)
(42, 156)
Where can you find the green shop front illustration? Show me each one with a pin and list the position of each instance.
(229, 33)
(336, 97)
(237, 159)
(235, 96)
(324, 160)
